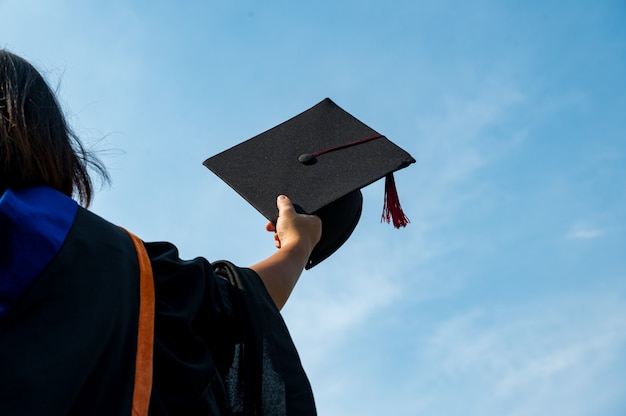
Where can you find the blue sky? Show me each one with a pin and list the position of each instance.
(506, 295)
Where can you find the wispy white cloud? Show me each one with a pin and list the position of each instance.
(555, 355)
(542, 357)
(459, 141)
(332, 304)
(584, 232)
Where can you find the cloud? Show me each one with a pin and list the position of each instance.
(554, 355)
(544, 357)
(583, 232)
(332, 304)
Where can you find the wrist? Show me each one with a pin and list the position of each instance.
(299, 248)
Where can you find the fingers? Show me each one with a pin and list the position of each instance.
(276, 241)
(292, 228)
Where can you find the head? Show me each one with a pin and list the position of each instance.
(37, 147)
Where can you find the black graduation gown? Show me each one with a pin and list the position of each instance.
(68, 343)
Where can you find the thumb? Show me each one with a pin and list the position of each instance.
(285, 207)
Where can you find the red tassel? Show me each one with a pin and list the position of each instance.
(392, 211)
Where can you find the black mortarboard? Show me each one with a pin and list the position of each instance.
(320, 159)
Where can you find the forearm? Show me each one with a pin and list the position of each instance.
(280, 272)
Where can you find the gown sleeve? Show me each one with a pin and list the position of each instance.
(221, 345)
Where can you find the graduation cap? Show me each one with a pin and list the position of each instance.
(320, 159)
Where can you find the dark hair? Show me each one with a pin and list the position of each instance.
(37, 147)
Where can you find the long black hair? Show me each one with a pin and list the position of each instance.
(37, 147)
